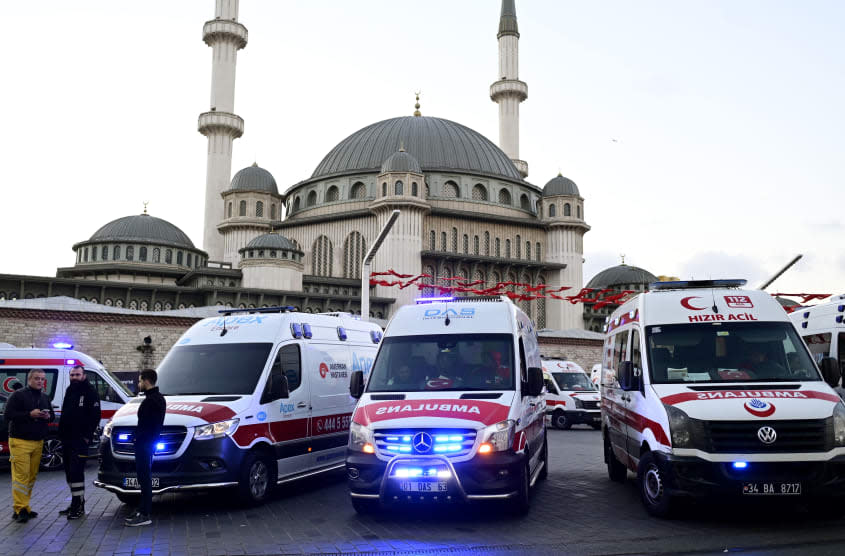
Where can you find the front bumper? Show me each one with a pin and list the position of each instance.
(696, 477)
(493, 476)
(205, 464)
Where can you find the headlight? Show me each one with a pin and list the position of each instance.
(839, 424)
(361, 438)
(680, 427)
(578, 403)
(107, 429)
(499, 436)
(215, 430)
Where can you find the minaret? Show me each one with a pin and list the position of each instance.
(220, 124)
(508, 91)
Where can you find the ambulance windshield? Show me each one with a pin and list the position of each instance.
(574, 381)
(443, 362)
(212, 369)
(722, 352)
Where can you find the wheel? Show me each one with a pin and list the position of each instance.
(522, 503)
(365, 505)
(544, 457)
(257, 479)
(652, 484)
(560, 421)
(51, 455)
(129, 499)
(616, 470)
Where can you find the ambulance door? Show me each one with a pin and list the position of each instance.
(331, 366)
(636, 401)
(110, 400)
(615, 400)
(288, 418)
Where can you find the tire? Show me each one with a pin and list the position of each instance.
(51, 456)
(129, 499)
(522, 502)
(616, 470)
(365, 506)
(651, 479)
(560, 421)
(544, 472)
(257, 479)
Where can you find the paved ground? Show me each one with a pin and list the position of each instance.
(577, 511)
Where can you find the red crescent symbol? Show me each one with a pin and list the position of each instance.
(324, 370)
(760, 413)
(7, 384)
(686, 303)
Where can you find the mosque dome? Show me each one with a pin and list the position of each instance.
(142, 228)
(620, 275)
(254, 178)
(401, 161)
(271, 241)
(436, 143)
(560, 185)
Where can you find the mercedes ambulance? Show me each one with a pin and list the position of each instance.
(708, 390)
(453, 410)
(571, 397)
(823, 328)
(56, 362)
(255, 398)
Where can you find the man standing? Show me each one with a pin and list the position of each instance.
(150, 422)
(28, 412)
(80, 418)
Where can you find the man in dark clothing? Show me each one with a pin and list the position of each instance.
(28, 412)
(150, 422)
(80, 418)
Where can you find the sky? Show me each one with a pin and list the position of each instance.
(705, 136)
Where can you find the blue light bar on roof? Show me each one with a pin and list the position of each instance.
(690, 284)
(63, 345)
(421, 300)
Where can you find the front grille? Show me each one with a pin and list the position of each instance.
(810, 435)
(168, 443)
(591, 404)
(444, 442)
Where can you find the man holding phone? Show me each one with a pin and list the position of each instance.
(28, 412)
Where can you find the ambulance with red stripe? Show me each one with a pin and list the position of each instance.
(708, 389)
(255, 398)
(571, 397)
(56, 362)
(453, 410)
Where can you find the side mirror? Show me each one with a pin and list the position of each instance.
(830, 371)
(356, 384)
(628, 381)
(535, 381)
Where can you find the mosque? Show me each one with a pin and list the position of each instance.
(467, 210)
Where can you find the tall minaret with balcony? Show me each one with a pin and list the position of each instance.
(220, 124)
(508, 91)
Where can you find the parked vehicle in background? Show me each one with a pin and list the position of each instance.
(571, 397)
(822, 327)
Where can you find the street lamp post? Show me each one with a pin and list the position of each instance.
(365, 268)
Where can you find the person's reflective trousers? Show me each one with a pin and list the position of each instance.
(25, 457)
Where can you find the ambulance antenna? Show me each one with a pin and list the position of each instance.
(224, 331)
(715, 308)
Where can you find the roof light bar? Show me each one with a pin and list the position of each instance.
(63, 345)
(691, 284)
(421, 300)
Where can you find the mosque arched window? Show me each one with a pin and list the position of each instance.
(156, 255)
(537, 251)
(133, 304)
(398, 188)
(321, 257)
(332, 195)
(272, 211)
(479, 192)
(541, 307)
(296, 204)
(189, 261)
(384, 189)
(179, 258)
(358, 191)
(242, 208)
(466, 244)
(130, 253)
(504, 197)
(498, 251)
(523, 202)
(578, 210)
(552, 211)
(518, 246)
(94, 253)
(508, 250)
(487, 243)
(475, 245)
(115, 254)
(432, 240)
(567, 209)
(528, 250)
(168, 256)
(354, 249)
(454, 240)
(259, 209)
(414, 188)
(142, 254)
(105, 253)
(450, 190)
(85, 255)
(312, 199)
(229, 210)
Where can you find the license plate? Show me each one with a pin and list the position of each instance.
(422, 486)
(132, 482)
(771, 489)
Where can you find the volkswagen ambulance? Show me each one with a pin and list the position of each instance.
(571, 397)
(823, 328)
(707, 389)
(255, 398)
(56, 362)
(453, 410)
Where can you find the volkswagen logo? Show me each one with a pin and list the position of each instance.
(422, 442)
(767, 435)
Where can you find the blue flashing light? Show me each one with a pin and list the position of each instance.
(841, 308)
(160, 446)
(839, 318)
(63, 345)
(341, 333)
(296, 330)
(70, 362)
(392, 439)
(441, 439)
(306, 331)
(456, 438)
(393, 448)
(448, 448)
(406, 439)
(404, 448)
(123, 437)
(803, 325)
(421, 300)
(740, 464)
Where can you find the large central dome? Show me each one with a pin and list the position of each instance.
(436, 143)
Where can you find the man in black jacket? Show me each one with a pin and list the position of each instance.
(150, 422)
(28, 412)
(79, 420)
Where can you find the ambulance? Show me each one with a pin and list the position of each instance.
(571, 397)
(707, 389)
(56, 362)
(255, 398)
(453, 410)
(822, 327)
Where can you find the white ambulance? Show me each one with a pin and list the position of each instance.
(56, 362)
(571, 397)
(255, 398)
(708, 390)
(453, 410)
(823, 328)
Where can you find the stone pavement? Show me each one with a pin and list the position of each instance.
(577, 511)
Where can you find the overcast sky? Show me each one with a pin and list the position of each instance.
(707, 138)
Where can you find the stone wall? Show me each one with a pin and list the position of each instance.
(584, 352)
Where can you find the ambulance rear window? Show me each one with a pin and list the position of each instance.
(212, 369)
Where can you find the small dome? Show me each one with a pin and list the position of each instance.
(621, 274)
(400, 161)
(560, 185)
(254, 178)
(143, 228)
(271, 241)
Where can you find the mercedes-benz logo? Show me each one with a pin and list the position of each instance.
(422, 442)
(767, 435)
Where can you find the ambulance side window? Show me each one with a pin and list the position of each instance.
(841, 352)
(523, 368)
(620, 349)
(636, 358)
(104, 391)
(288, 362)
(550, 387)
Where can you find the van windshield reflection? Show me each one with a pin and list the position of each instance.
(212, 369)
